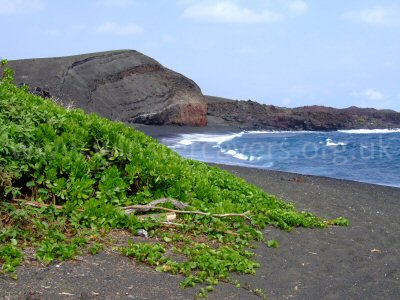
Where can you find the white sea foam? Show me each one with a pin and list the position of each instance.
(218, 139)
(277, 131)
(368, 131)
(231, 152)
(330, 143)
(259, 131)
(236, 154)
(189, 139)
(268, 165)
(241, 156)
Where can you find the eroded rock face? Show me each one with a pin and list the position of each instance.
(120, 85)
(253, 115)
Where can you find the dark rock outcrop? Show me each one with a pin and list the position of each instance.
(253, 115)
(120, 85)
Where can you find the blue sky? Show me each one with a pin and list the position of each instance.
(282, 52)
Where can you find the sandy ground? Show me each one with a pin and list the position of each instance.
(361, 261)
(358, 262)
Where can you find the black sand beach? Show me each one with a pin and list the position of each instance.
(361, 261)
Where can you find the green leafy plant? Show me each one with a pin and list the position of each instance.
(10, 257)
(50, 249)
(81, 169)
(339, 222)
(96, 248)
(272, 244)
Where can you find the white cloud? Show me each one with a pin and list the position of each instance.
(371, 95)
(286, 101)
(376, 99)
(114, 3)
(130, 29)
(379, 16)
(168, 38)
(114, 28)
(228, 12)
(106, 27)
(298, 7)
(10, 7)
(75, 28)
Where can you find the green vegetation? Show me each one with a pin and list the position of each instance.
(10, 257)
(272, 244)
(82, 169)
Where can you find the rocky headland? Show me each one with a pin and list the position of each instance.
(120, 85)
(251, 115)
(131, 87)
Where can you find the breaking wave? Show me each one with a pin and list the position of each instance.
(330, 143)
(241, 156)
(369, 131)
(189, 139)
(361, 155)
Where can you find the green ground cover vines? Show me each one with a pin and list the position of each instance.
(87, 167)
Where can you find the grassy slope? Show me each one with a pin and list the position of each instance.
(53, 155)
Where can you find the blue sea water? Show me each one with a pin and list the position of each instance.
(371, 156)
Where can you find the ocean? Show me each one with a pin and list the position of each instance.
(371, 156)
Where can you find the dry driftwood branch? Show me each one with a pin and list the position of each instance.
(195, 212)
(170, 216)
(171, 224)
(177, 204)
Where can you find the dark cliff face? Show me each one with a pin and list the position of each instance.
(121, 85)
(253, 115)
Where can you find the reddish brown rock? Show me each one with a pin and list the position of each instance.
(190, 114)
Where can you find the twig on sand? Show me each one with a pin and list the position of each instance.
(177, 204)
(168, 217)
(195, 212)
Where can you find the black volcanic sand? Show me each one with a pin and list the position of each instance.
(361, 261)
(358, 262)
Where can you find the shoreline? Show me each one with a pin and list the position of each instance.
(160, 131)
(295, 175)
(171, 131)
